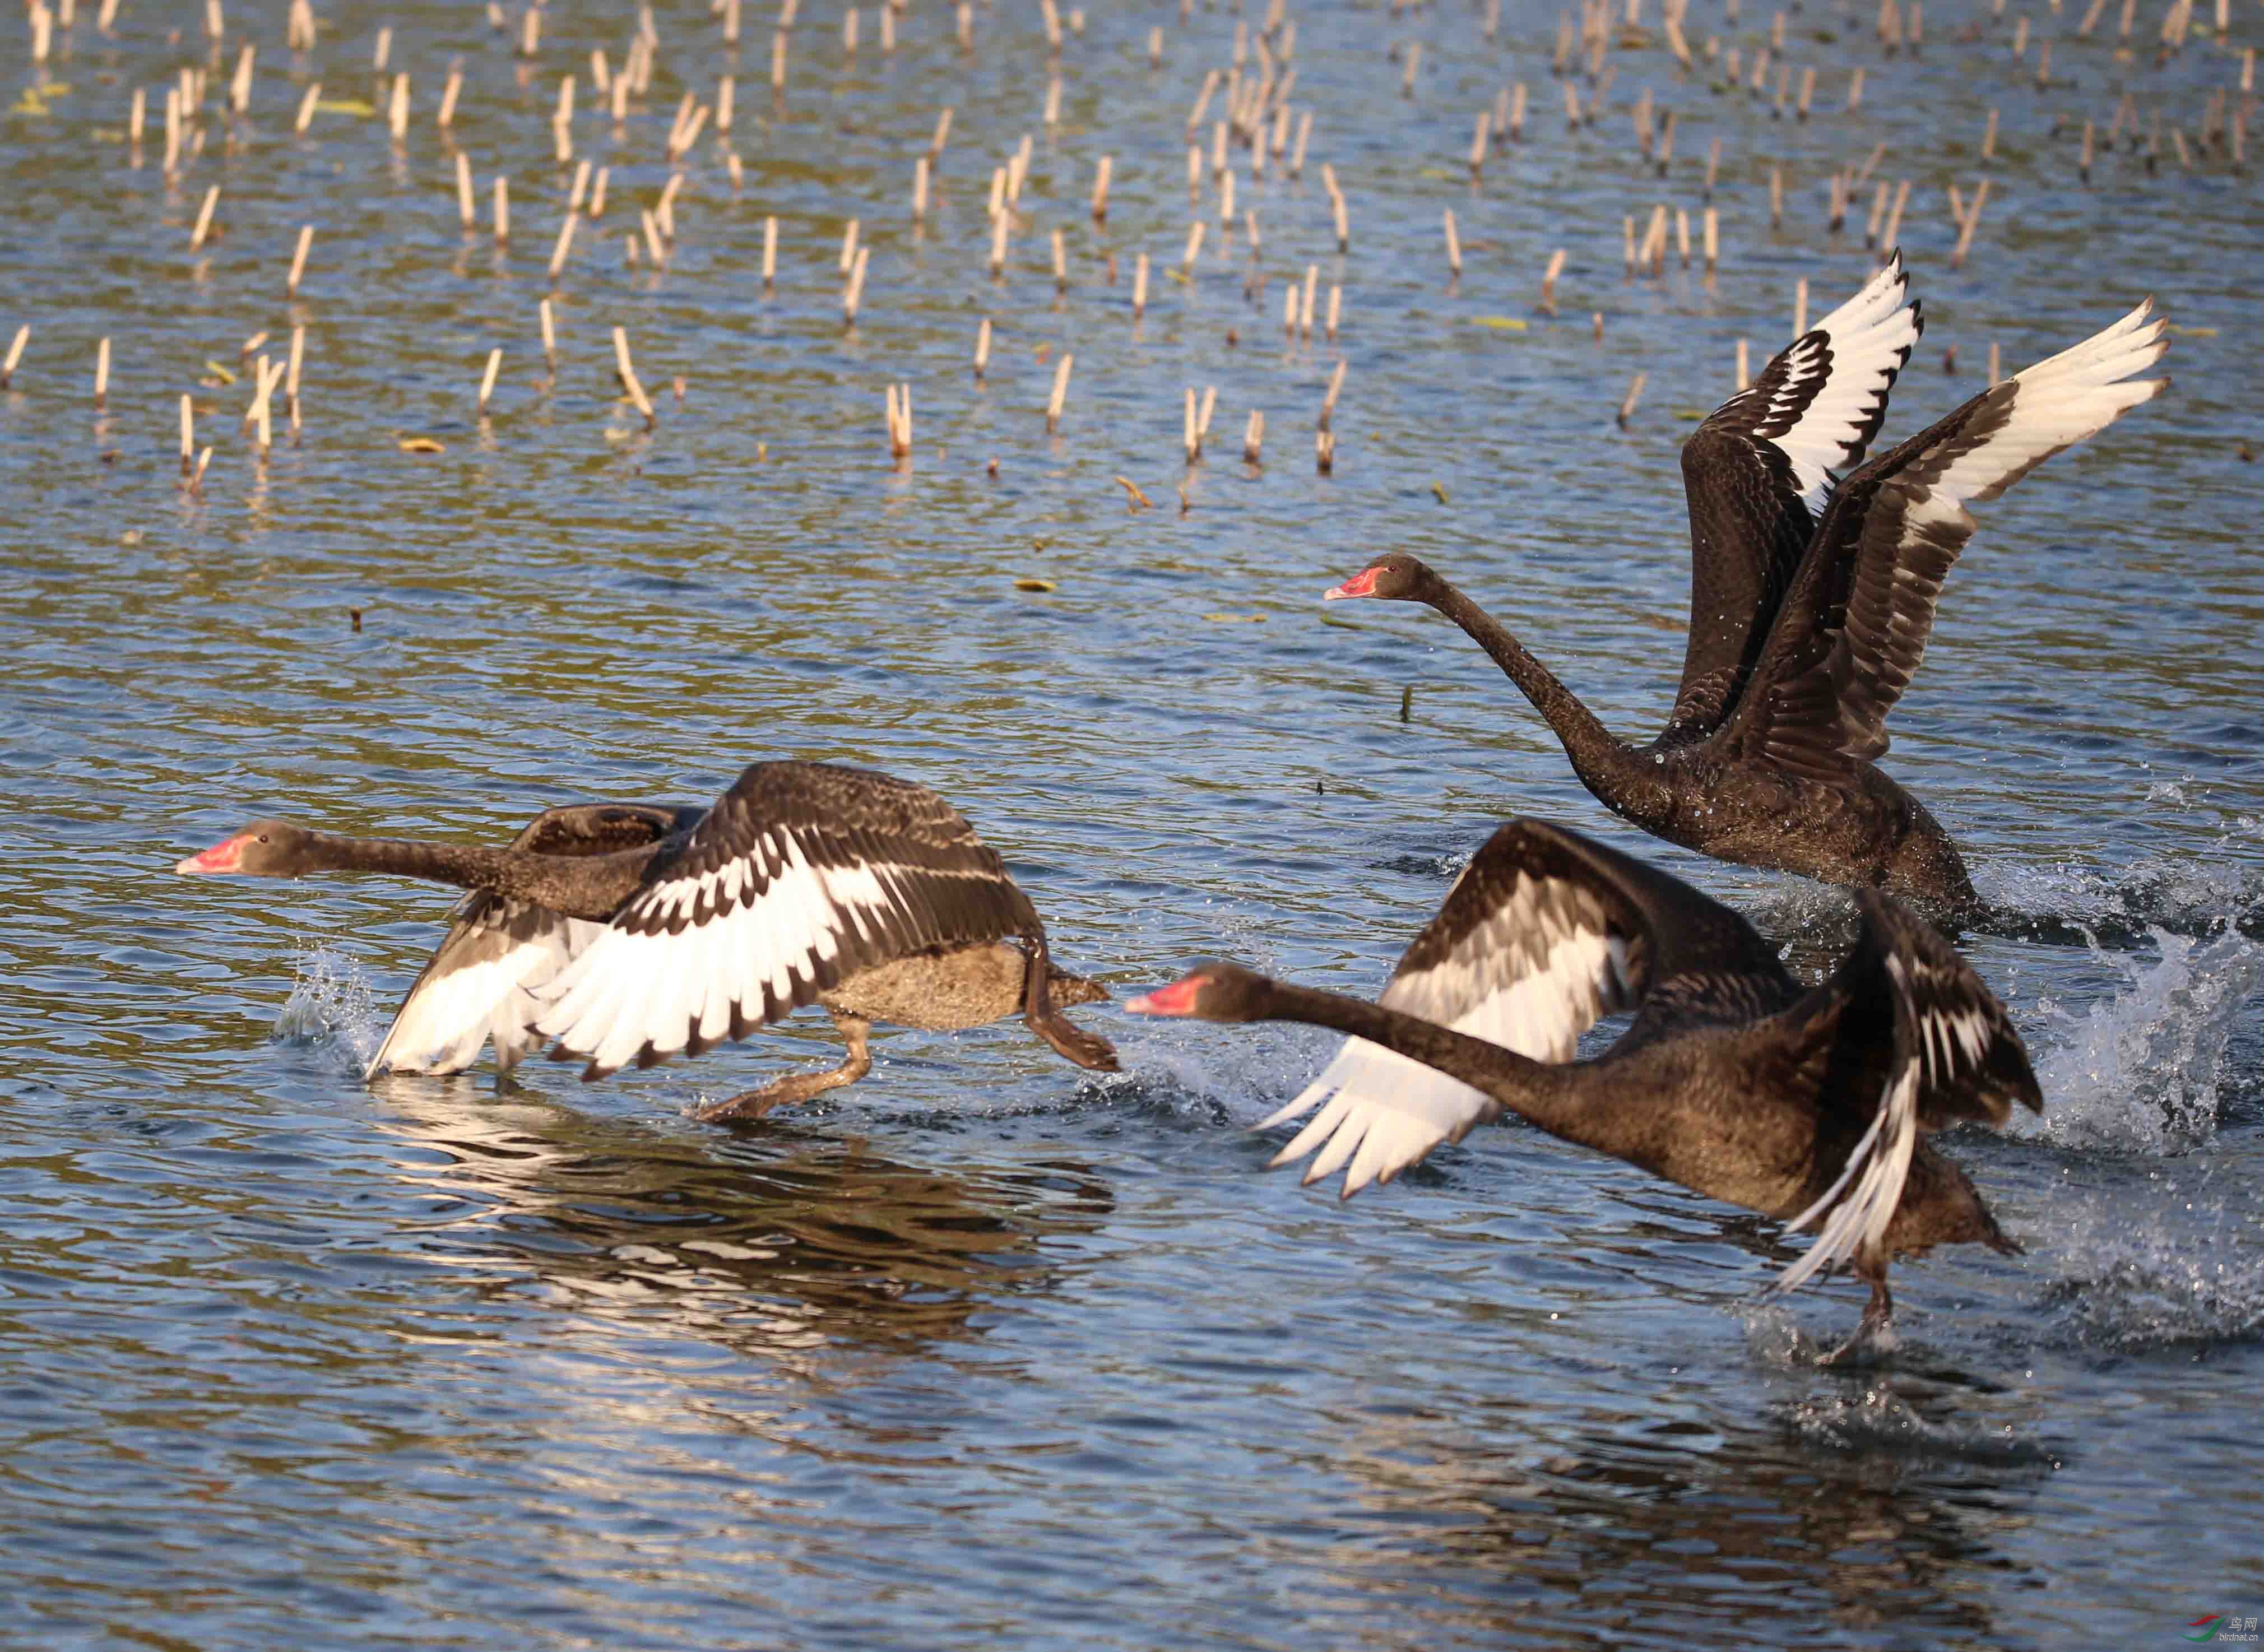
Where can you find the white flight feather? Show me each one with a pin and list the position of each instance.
(441, 1026)
(2059, 401)
(629, 988)
(447, 1017)
(1872, 336)
(1386, 1112)
(1860, 1220)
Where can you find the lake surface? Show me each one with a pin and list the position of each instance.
(986, 1351)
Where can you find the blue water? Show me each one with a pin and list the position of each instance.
(987, 1351)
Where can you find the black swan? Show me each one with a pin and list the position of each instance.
(630, 933)
(1732, 1081)
(1803, 634)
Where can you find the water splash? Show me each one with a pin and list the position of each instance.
(2193, 895)
(1775, 1338)
(1879, 1419)
(331, 999)
(2189, 1277)
(2138, 1071)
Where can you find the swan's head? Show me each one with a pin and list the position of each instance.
(1396, 577)
(264, 848)
(1210, 992)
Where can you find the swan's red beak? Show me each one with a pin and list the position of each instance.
(217, 861)
(1361, 584)
(1179, 998)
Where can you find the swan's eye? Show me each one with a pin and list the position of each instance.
(262, 838)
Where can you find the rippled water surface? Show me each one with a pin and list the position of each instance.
(986, 1351)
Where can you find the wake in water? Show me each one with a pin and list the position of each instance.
(1879, 1419)
(331, 1000)
(2188, 894)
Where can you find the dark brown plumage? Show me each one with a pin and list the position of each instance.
(1795, 662)
(629, 934)
(1732, 1080)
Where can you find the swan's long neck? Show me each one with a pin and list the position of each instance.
(1605, 764)
(577, 886)
(1565, 1100)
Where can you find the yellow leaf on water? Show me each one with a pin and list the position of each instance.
(2193, 332)
(421, 445)
(343, 107)
(1501, 323)
(1140, 500)
(1036, 584)
(223, 373)
(1440, 487)
(1438, 171)
(1178, 275)
(1236, 619)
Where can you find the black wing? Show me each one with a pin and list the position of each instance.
(1855, 627)
(1758, 474)
(1955, 1057)
(479, 983)
(1545, 932)
(802, 874)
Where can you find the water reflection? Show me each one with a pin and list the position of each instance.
(1685, 1526)
(774, 1244)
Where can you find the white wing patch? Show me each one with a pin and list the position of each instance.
(1385, 1111)
(449, 1015)
(1884, 1156)
(1870, 337)
(2057, 404)
(1950, 1036)
(639, 985)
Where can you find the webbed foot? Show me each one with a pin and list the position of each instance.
(1073, 1043)
(785, 1092)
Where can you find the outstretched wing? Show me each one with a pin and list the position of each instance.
(1956, 1056)
(478, 985)
(802, 874)
(1854, 625)
(1759, 471)
(1544, 933)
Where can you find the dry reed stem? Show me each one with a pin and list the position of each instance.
(1059, 398)
(204, 219)
(299, 260)
(1634, 395)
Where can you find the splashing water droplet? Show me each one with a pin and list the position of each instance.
(2138, 1072)
(331, 998)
